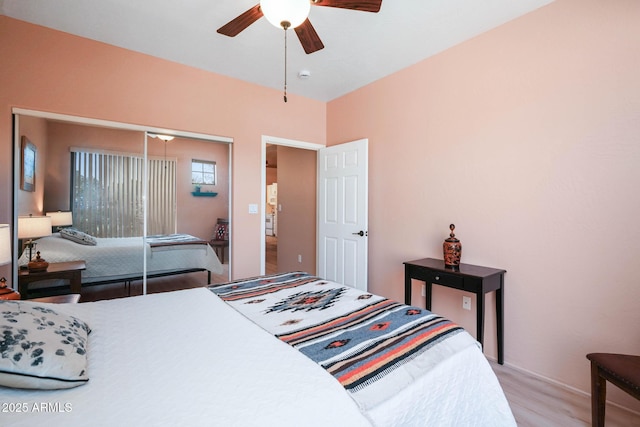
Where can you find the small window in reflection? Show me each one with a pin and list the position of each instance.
(203, 172)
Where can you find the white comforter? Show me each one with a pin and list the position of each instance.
(186, 358)
(121, 257)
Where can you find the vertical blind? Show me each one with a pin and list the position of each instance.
(107, 194)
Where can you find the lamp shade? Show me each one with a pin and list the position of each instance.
(30, 227)
(5, 244)
(294, 12)
(60, 218)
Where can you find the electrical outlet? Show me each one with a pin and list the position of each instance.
(299, 258)
(466, 303)
(424, 290)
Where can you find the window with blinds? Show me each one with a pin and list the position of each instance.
(107, 194)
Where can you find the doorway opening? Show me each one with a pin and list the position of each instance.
(288, 232)
(271, 211)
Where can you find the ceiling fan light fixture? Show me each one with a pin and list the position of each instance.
(304, 74)
(285, 13)
(165, 138)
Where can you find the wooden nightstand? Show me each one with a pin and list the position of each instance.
(71, 271)
(59, 299)
(470, 278)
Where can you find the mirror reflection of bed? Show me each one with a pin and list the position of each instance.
(64, 147)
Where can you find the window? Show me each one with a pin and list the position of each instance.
(107, 191)
(203, 172)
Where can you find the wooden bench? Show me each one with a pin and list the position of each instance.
(622, 370)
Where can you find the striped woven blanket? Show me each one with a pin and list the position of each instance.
(373, 346)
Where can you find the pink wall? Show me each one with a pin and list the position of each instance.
(528, 139)
(297, 220)
(47, 70)
(198, 215)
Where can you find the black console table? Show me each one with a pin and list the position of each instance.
(470, 278)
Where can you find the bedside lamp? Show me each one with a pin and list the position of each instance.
(31, 227)
(60, 219)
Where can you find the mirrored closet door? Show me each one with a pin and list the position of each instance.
(128, 210)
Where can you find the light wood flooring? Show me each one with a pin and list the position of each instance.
(534, 401)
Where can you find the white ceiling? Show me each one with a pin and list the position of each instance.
(360, 47)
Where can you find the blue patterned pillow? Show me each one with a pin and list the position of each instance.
(78, 236)
(41, 348)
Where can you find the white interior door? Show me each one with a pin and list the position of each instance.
(343, 213)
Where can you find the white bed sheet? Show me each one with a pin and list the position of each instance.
(186, 358)
(122, 257)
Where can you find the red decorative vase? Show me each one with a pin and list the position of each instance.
(452, 250)
(6, 292)
(38, 264)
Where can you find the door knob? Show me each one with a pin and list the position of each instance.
(361, 233)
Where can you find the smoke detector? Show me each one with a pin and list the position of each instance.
(304, 74)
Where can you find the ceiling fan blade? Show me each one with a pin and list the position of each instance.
(362, 5)
(235, 26)
(308, 37)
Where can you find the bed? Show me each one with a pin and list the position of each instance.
(110, 260)
(245, 354)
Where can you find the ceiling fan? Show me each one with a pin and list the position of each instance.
(304, 30)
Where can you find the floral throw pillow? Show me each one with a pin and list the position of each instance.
(41, 348)
(78, 236)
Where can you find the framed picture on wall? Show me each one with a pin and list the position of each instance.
(28, 161)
